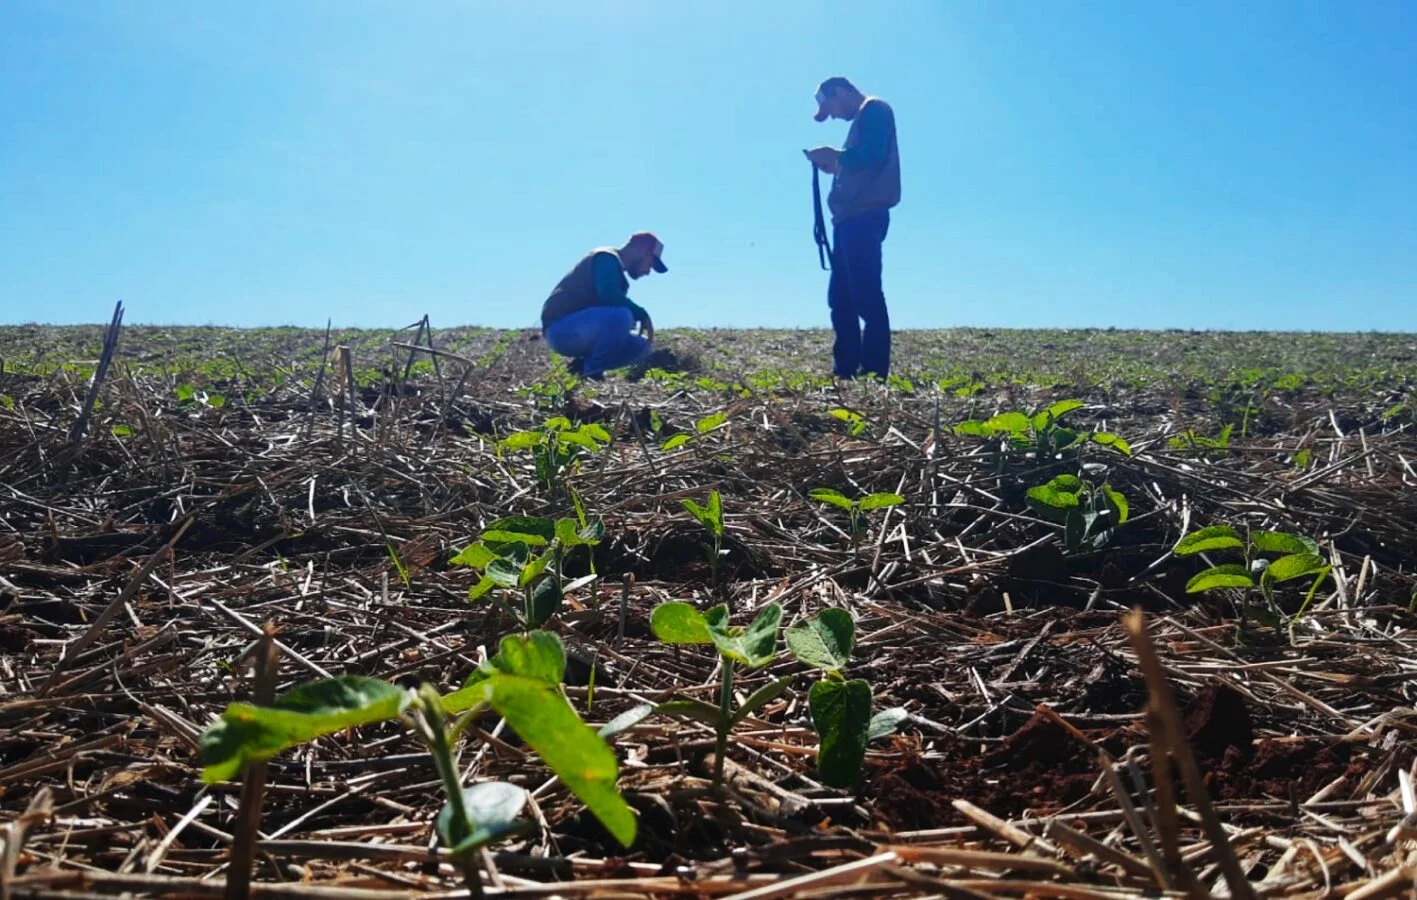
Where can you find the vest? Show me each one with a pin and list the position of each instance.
(576, 291)
(857, 191)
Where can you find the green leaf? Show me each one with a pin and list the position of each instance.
(596, 431)
(761, 697)
(835, 498)
(972, 428)
(881, 501)
(1008, 423)
(1108, 439)
(1051, 502)
(492, 808)
(675, 442)
(1297, 565)
(572, 534)
(1303, 458)
(710, 517)
(514, 537)
(247, 734)
(1283, 542)
(1076, 525)
(1117, 503)
(542, 717)
(710, 422)
(1066, 483)
(676, 622)
(885, 722)
(522, 440)
(122, 431)
(505, 572)
(627, 719)
(546, 600)
(841, 714)
(539, 655)
(1213, 537)
(1230, 575)
(1062, 408)
(185, 393)
(533, 569)
(693, 709)
(557, 423)
(479, 590)
(476, 555)
(824, 641)
(216, 401)
(755, 646)
(531, 530)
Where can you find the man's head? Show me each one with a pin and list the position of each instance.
(837, 98)
(642, 254)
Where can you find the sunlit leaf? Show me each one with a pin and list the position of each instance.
(1230, 575)
(710, 422)
(1107, 439)
(881, 501)
(1213, 537)
(247, 733)
(824, 641)
(676, 622)
(522, 440)
(1008, 423)
(827, 495)
(476, 555)
(542, 718)
(754, 646)
(675, 442)
(539, 655)
(1117, 503)
(1297, 565)
(1283, 542)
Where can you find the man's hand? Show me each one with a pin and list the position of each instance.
(828, 159)
(647, 329)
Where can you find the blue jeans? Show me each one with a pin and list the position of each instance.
(600, 335)
(855, 297)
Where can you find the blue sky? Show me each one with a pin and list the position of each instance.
(1208, 165)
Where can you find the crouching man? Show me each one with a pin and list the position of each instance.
(589, 316)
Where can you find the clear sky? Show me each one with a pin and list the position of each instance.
(1139, 164)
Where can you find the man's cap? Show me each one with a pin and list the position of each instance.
(655, 247)
(836, 82)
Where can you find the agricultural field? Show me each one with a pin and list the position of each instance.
(1082, 614)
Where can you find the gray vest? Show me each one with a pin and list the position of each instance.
(857, 191)
(577, 290)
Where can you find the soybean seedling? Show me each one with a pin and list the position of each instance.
(1298, 557)
(556, 446)
(755, 646)
(523, 555)
(521, 683)
(711, 517)
(856, 509)
(1089, 513)
(840, 708)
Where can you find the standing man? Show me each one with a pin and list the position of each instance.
(589, 316)
(865, 188)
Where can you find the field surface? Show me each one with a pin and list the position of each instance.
(1078, 696)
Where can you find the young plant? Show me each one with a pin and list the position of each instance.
(856, 509)
(521, 683)
(1041, 435)
(701, 427)
(1089, 513)
(524, 556)
(754, 647)
(711, 517)
(840, 708)
(1298, 557)
(556, 446)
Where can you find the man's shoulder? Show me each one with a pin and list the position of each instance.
(877, 106)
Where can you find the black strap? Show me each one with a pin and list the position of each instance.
(819, 229)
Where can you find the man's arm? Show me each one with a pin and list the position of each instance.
(607, 286)
(870, 150)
